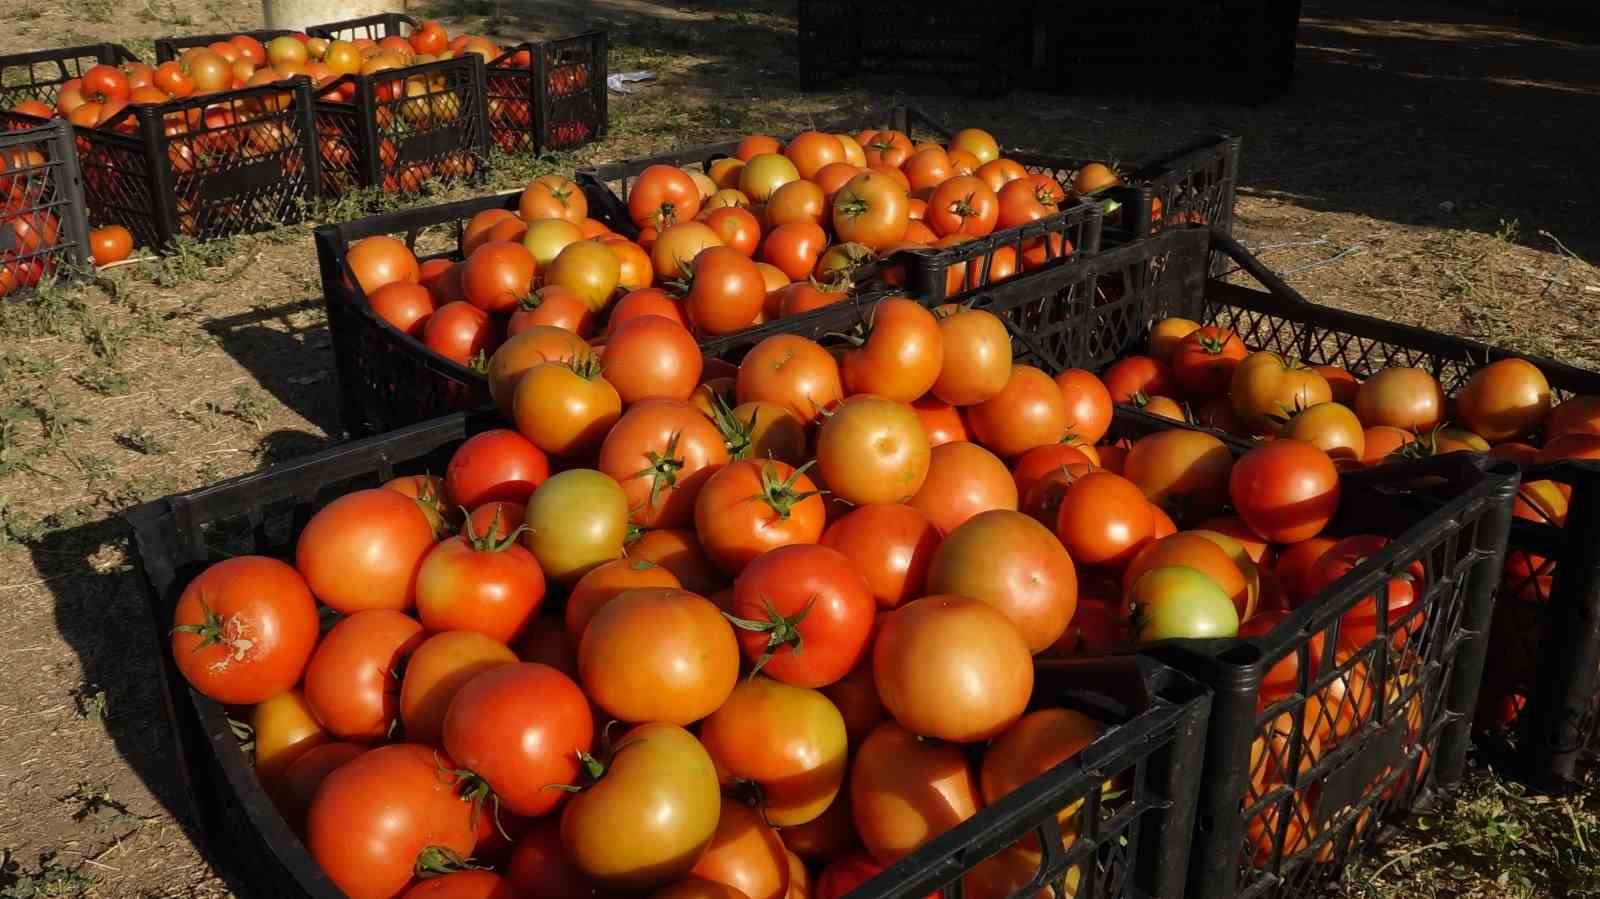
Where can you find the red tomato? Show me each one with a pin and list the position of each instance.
(751, 507)
(244, 629)
(905, 791)
(540, 865)
(1104, 519)
(790, 741)
(902, 355)
(521, 728)
(1203, 362)
(479, 583)
(497, 465)
(375, 816)
(662, 196)
(746, 854)
(651, 356)
(351, 683)
(1359, 625)
(441, 666)
(963, 205)
(1088, 405)
(363, 550)
(1294, 565)
(942, 421)
(658, 654)
(963, 480)
(890, 545)
(1286, 491)
(873, 450)
(605, 583)
(463, 885)
(803, 614)
(792, 372)
(951, 668)
(662, 452)
(1127, 378)
(1028, 412)
(726, 290)
(679, 551)
(1035, 464)
(1013, 563)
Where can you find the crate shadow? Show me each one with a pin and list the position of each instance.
(291, 360)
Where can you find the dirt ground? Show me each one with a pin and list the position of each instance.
(1433, 168)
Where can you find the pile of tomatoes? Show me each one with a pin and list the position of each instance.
(758, 236)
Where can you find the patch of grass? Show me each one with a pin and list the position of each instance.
(250, 406)
(106, 335)
(48, 879)
(21, 365)
(141, 441)
(105, 379)
(189, 260)
(50, 311)
(89, 700)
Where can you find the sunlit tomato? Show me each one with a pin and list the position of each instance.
(553, 197)
(520, 727)
(1167, 334)
(362, 550)
(1232, 526)
(350, 682)
(803, 614)
(752, 145)
(1405, 398)
(1104, 519)
(675, 250)
(285, 729)
(460, 332)
(963, 480)
(479, 583)
(498, 464)
(905, 791)
(1184, 471)
(648, 301)
(886, 147)
(1013, 563)
(902, 356)
(497, 276)
(1047, 461)
(546, 238)
(662, 452)
(678, 551)
(1267, 390)
(726, 291)
(1203, 361)
(555, 306)
(1332, 428)
(871, 209)
(651, 356)
(951, 668)
(1505, 400)
(737, 228)
(977, 357)
(761, 430)
(1358, 626)
(442, 278)
(650, 815)
(804, 296)
(463, 885)
(1192, 551)
(1286, 490)
(1179, 602)
(1341, 383)
(763, 174)
(295, 787)
(589, 270)
(533, 345)
(404, 305)
(963, 205)
(1023, 201)
(1382, 442)
(377, 814)
(244, 629)
(376, 261)
(788, 740)
(745, 855)
(873, 450)
(997, 173)
(1030, 749)
(662, 196)
(1578, 415)
(1028, 412)
(797, 201)
(1088, 405)
(927, 169)
(439, 667)
(748, 508)
(981, 144)
(891, 546)
(794, 248)
(607, 582)
(1133, 376)
(792, 372)
(658, 654)
(943, 422)
(831, 178)
(1295, 563)
(576, 520)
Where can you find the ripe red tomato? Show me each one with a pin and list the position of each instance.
(376, 261)
(442, 665)
(496, 465)
(1135, 375)
(1181, 470)
(350, 683)
(479, 583)
(552, 305)
(1013, 563)
(891, 546)
(726, 290)
(662, 196)
(521, 728)
(362, 551)
(905, 791)
(463, 885)
(1088, 405)
(1286, 491)
(951, 668)
(793, 372)
(963, 480)
(662, 452)
(794, 248)
(1578, 415)
(1031, 748)
(1399, 397)
(244, 629)
(1028, 412)
(295, 788)
(790, 741)
(803, 614)
(658, 654)
(404, 305)
(540, 865)
(942, 421)
(871, 209)
(1104, 519)
(902, 355)
(460, 332)
(1203, 362)
(745, 854)
(873, 450)
(649, 816)
(963, 205)
(376, 815)
(497, 276)
(1359, 625)
(651, 356)
(678, 550)
(1032, 466)
(750, 507)
(977, 356)
(605, 583)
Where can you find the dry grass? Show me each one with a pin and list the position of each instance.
(1422, 170)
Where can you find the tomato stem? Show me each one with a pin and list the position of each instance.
(780, 631)
(437, 861)
(781, 495)
(663, 469)
(486, 542)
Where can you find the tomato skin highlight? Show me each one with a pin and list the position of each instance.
(1286, 491)
(658, 654)
(520, 727)
(244, 630)
(891, 546)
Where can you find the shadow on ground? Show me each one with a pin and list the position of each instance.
(292, 361)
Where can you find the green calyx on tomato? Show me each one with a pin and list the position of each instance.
(437, 861)
(473, 790)
(781, 495)
(213, 631)
(780, 631)
(662, 470)
(738, 435)
(486, 541)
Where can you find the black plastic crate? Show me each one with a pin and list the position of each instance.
(1294, 785)
(974, 48)
(43, 228)
(924, 274)
(542, 95)
(396, 129)
(39, 74)
(1240, 50)
(1132, 843)
(237, 161)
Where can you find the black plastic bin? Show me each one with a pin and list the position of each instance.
(244, 161)
(542, 95)
(1132, 843)
(43, 228)
(396, 129)
(973, 48)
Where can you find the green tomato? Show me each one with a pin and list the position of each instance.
(576, 520)
(1179, 602)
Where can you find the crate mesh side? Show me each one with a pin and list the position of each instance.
(42, 79)
(427, 127)
(37, 243)
(572, 109)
